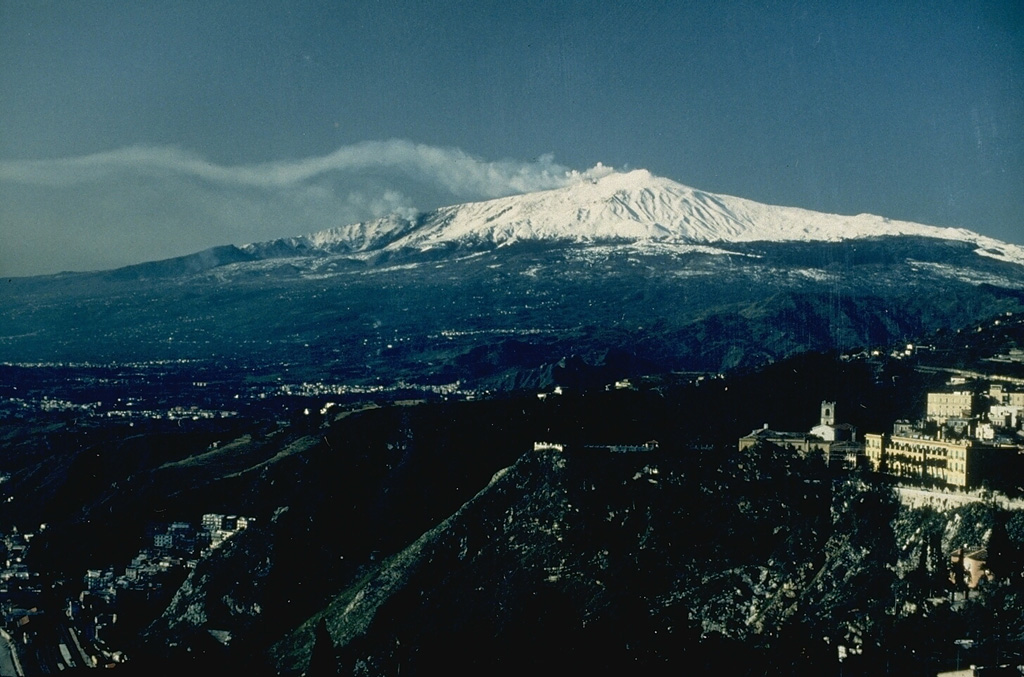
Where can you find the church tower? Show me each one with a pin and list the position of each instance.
(828, 413)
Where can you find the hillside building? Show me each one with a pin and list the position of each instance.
(903, 428)
(944, 406)
(1006, 416)
(953, 445)
(999, 395)
(970, 565)
(837, 443)
(962, 463)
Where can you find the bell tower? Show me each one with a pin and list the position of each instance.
(828, 413)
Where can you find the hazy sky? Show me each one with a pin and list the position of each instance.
(133, 129)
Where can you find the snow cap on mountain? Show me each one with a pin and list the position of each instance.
(605, 206)
(610, 206)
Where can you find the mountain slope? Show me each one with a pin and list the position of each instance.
(357, 237)
(592, 558)
(750, 563)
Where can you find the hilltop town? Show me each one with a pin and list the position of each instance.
(970, 437)
(969, 433)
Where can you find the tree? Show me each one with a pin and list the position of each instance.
(322, 661)
(1005, 556)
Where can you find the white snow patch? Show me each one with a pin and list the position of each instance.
(964, 275)
(813, 274)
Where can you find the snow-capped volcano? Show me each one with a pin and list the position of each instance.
(637, 206)
(684, 279)
(627, 207)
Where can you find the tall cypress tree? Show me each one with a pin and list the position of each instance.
(323, 661)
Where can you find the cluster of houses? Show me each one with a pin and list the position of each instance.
(134, 592)
(14, 546)
(968, 438)
(20, 587)
(174, 548)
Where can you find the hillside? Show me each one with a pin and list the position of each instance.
(438, 526)
(750, 563)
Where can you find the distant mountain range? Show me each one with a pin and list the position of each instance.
(659, 275)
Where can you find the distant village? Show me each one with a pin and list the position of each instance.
(970, 437)
(89, 634)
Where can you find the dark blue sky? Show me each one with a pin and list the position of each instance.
(134, 130)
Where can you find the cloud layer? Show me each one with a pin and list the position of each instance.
(143, 202)
(449, 168)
